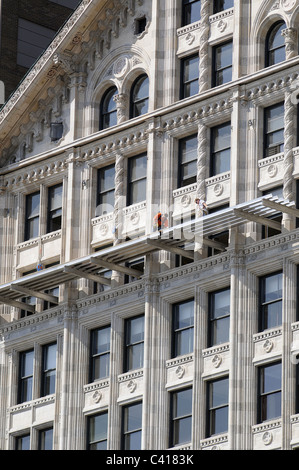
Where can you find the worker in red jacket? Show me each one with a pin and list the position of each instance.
(160, 221)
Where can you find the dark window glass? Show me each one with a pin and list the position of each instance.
(188, 160)
(55, 292)
(56, 131)
(219, 317)
(183, 328)
(132, 427)
(137, 264)
(181, 417)
(106, 189)
(49, 369)
(140, 96)
(25, 376)
(274, 130)
(217, 406)
(269, 399)
(108, 111)
(23, 442)
(54, 208)
(45, 439)
(220, 149)
(140, 25)
(269, 231)
(275, 45)
(33, 39)
(221, 237)
(191, 11)
(100, 353)
(134, 343)
(221, 5)
(97, 432)
(32, 216)
(270, 301)
(222, 63)
(137, 167)
(189, 76)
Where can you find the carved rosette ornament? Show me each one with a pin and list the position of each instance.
(290, 37)
(204, 46)
(288, 148)
(118, 201)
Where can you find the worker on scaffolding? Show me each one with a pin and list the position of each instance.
(160, 222)
(201, 207)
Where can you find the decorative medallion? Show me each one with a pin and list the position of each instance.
(288, 5)
(180, 371)
(221, 25)
(134, 218)
(272, 170)
(132, 386)
(103, 229)
(267, 438)
(216, 361)
(185, 200)
(268, 345)
(97, 396)
(190, 38)
(218, 189)
(120, 66)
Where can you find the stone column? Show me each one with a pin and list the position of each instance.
(288, 165)
(122, 106)
(290, 36)
(288, 380)
(202, 161)
(204, 65)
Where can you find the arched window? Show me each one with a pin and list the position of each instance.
(275, 44)
(139, 96)
(108, 115)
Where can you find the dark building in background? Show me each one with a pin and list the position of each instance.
(26, 29)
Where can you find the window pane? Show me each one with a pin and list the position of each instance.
(220, 420)
(221, 303)
(224, 56)
(184, 342)
(138, 167)
(101, 366)
(141, 89)
(275, 118)
(221, 5)
(135, 356)
(271, 378)
(26, 389)
(101, 340)
(191, 69)
(219, 393)
(55, 193)
(182, 403)
(191, 11)
(107, 178)
(184, 314)
(221, 137)
(23, 443)
(98, 427)
(51, 356)
(276, 39)
(273, 287)
(27, 363)
(46, 439)
(271, 406)
(220, 332)
(182, 430)
(139, 97)
(138, 192)
(188, 149)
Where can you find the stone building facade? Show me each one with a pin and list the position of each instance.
(114, 335)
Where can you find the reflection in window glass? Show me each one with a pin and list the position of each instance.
(274, 130)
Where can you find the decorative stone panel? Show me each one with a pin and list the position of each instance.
(267, 344)
(216, 359)
(219, 442)
(48, 246)
(222, 25)
(102, 228)
(35, 412)
(218, 188)
(271, 171)
(183, 200)
(134, 219)
(267, 436)
(295, 430)
(179, 369)
(188, 37)
(96, 395)
(130, 385)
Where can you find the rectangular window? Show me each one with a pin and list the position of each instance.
(132, 427)
(270, 301)
(137, 264)
(97, 431)
(106, 189)
(45, 439)
(137, 167)
(269, 392)
(134, 343)
(221, 5)
(217, 406)
(273, 130)
(189, 76)
(32, 216)
(100, 353)
(55, 292)
(23, 442)
(33, 39)
(48, 369)
(221, 238)
(269, 231)
(181, 417)
(191, 11)
(25, 376)
(188, 148)
(219, 317)
(220, 149)
(222, 63)
(183, 328)
(54, 208)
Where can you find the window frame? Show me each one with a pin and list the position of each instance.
(181, 165)
(131, 182)
(183, 82)
(128, 346)
(22, 379)
(262, 323)
(214, 153)
(261, 395)
(101, 193)
(50, 210)
(266, 133)
(186, 11)
(41, 441)
(175, 418)
(113, 91)
(175, 331)
(215, 71)
(46, 372)
(213, 321)
(19, 438)
(124, 432)
(93, 357)
(267, 47)
(210, 410)
(89, 444)
(29, 217)
(134, 102)
(218, 9)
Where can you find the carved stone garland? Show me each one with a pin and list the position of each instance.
(204, 46)
(288, 148)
